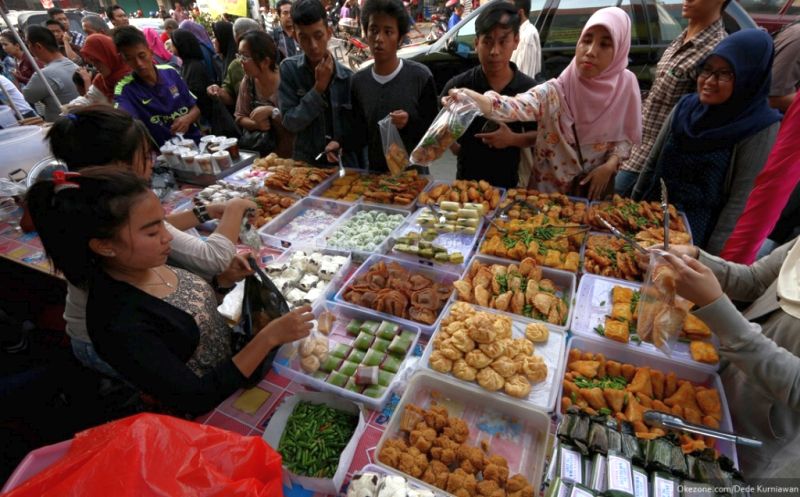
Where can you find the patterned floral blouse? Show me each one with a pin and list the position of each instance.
(195, 297)
(555, 161)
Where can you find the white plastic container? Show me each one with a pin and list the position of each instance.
(287, 364)
(276, 232)
(592, 305)
(682, 370)
(511, 429)
(437, 276)
(380, 470)
(564, 281)
(543, 395)
(22, 147)
(358, 255)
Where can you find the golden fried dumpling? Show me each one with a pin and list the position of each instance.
(310, 364)
(494, 349)
(533, 367)
(307, 347)
(517, 386)
(489, 379)
(477, 359)
(502, 327)
(462, 341)
(439, 362)
(464, 371)
(450, 351)
(537, 332)
(505, 366)
(482, 334)
(518, 346)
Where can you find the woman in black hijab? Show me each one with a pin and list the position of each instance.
(226, 45)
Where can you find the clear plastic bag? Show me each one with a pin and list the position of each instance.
(450, 124)
(661, 318)
(393, 148)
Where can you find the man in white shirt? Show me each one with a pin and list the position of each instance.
(528, 55)
(16, 97)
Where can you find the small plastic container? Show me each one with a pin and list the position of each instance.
(287, 361)
(682, 370)
(222, 159)
(511, 429)
(380, 470)
(189, 159)
(543, 394)
(593, 303)
(491, 213)
(204, 163)
(436, 275)
(187, 143)
(564, 281)
(360, 255)
(290, 227)
(168, 152)
(232, 146)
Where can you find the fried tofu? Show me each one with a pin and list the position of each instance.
(703, 352)
(695, 328)
(616, 330)
(552, 258)
(622, 312)
(621, 295)
(708, 400)
(571, 262)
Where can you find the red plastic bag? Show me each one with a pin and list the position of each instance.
(150, 454)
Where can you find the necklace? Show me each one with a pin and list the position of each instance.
(163, 281)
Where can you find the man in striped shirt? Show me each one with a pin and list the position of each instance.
(674, 78)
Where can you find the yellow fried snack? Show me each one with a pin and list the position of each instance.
(517, 386)
(440, 363)
(621, 295)
(594, 396)
(587, 369)
(477, 359)
(464, 371)
(703, 352)
(489, 379)
(622, 311)
(695, 327)
(708, 400)
(537, 332)
(505, 366)
(641, 383)
(616, 330)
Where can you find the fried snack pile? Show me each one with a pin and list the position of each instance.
(463, 192)
(477, 346)
(626, 392)
(620, 325)
(402, 189)
(396, 158)
(292, 178)
(609, 256)
(272, 160)
(392, 289)
(433, 448)
(554, 205)
(269, 206)
(633, 217)
(551, 243)
(513, 288)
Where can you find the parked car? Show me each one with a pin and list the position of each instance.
(772, 15)
(655, 24)
(25, 18)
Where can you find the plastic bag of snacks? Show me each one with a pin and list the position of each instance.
(393, 148)
(660, 316)
(449, 125)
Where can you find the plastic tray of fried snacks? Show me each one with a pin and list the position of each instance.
(352, 186)
(504, 434)
(454, 243)
(439, 184)
(363, 362)
(543, 202)
(603, 302)
(652, 234)
(549, 349)
(348, 233)
(369, 489)
(602, 253)
(257, 175)
(370, 279)
(309, 275)
(302, 223)
(561, 285)
(697, 376)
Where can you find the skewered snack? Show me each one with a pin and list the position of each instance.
(555, 205)
(432, 442)
(300, 179)
(551, 243)
(402, 189)
(609, 256)
(393, 289)
(625, 391)
(519, 289)
(477, 346)
(463, 192)
(632, 217)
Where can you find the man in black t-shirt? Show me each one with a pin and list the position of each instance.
(489, 150)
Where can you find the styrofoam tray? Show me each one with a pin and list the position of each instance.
(274, 232)
(434, 184)
(406, 207)
(335, 282)
(511, 429)
(358, 255)
(543, 394)
(287, 362)
(682, 370)
(436, 275)
(564, 280)
(453, 242)
(594, 303)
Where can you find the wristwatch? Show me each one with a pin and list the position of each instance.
(201, 213)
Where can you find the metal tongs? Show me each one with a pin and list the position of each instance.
(632, 241)
(503, 214)
(342, 172)
(665, 210)
(660, 419)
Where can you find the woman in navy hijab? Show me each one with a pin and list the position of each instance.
(716, 141)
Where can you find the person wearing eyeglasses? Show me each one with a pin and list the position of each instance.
(715, 141)
(156, 95)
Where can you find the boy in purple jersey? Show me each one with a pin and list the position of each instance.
(156, 95)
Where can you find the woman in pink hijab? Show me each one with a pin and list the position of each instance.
(160, 53)
(589, 117)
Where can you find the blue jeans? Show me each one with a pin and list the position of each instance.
(624, 183)
(85, 353)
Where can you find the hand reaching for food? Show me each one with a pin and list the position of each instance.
(293, 326)
(694, 280)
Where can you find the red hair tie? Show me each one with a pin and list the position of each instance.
(61, 180)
